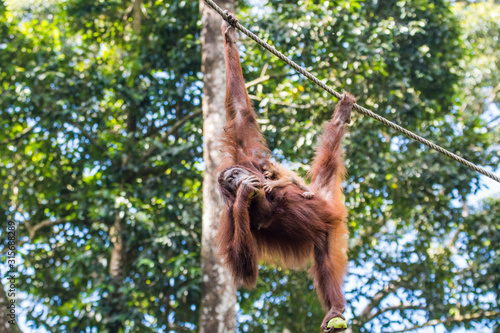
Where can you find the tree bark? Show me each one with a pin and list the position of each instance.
(218, 314)
(116, 260)
(137, 16)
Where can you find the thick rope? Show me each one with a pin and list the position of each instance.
(356, 106)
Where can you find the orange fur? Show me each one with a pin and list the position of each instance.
(278, 176)
(281, 226)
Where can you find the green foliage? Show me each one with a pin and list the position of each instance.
(408, 61)
(100, 125)
(477, 242)
(90, 110)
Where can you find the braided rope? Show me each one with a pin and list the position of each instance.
(355, 106)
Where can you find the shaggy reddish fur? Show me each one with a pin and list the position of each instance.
(282, 226)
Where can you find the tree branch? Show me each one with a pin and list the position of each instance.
(258, 80)
(264, 69)
(493, 94)
(180, 122)
(144, 172)
(19, 244)
(263, 78)
(88, 136)
(400, 307)
(459, 319)
(375, 301)
(172, 129)
(47, 223)
(492, 121)
(291, 105)
(23, 133)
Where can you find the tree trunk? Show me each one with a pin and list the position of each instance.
(137, 16)
(116, 260)
(218, 314)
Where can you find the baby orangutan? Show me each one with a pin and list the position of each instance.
(278, 176)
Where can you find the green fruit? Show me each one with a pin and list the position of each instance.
(337, 323)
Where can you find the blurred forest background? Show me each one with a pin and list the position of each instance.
(101, 160)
